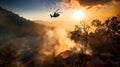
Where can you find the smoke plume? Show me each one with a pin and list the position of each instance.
(86, 3)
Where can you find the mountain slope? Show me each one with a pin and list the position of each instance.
(19, 36)
(10, 22)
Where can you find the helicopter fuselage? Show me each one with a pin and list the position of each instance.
(55, 14)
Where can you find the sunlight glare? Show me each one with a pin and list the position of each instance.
(78, 15)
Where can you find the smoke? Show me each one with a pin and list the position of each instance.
(70, 3)
(57, 41)
(86, 3)
(42, 48)
(93, 2)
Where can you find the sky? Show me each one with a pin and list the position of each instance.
(26, 5)
(73, 11)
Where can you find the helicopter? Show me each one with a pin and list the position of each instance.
(56, 14)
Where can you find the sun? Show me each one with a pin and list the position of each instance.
(78, 15)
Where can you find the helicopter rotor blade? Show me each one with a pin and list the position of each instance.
(57, 10)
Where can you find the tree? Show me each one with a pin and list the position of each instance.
(80, 35)
(106, 40)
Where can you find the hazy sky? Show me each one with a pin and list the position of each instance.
(40, 9)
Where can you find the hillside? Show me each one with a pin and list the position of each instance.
(13, 23)
(24, 37)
